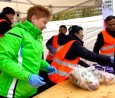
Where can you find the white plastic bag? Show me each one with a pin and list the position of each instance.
(90, 78)
(104, 77)
(84, 78)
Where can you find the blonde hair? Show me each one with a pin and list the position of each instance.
(39, 11)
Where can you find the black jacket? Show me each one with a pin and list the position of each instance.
(100, 42)
(49, 47)
(5, 25)
(77, 49)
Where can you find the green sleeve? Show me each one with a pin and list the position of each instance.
(43, 65)
(9, 47)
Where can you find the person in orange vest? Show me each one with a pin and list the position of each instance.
(6, 18)
(68, 54)
(49, 83)
(105, 43)
(52, 44)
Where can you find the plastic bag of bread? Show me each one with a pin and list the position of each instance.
(104, 77)
(84, 78)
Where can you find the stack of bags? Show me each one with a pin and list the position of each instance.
(90, 78)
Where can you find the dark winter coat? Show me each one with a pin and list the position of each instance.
(4, 25)
(77, 49)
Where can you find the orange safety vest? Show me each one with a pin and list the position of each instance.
(54, 45)
(109, 44)
(1, 20)
(62, 65)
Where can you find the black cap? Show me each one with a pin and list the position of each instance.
(8, 10)
(74, 29)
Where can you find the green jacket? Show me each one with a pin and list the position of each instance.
(20, 55)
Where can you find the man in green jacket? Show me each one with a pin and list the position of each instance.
(21, 56)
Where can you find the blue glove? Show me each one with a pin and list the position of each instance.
(51, 69)
(36, 81)
(112, 60)
(49, 47)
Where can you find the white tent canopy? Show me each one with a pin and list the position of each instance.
(55, 6)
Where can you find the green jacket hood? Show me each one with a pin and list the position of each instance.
(28, 26)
